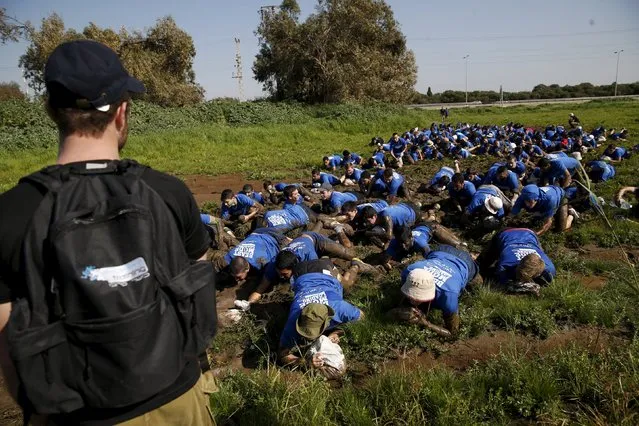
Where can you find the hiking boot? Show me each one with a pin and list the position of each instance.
(572, 212)
(366, 268)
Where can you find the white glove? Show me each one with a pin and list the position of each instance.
(243, 305)
(339, 228)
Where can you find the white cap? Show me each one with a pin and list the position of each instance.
(419, 285)
(605, 158)
(455, 137)
(577, 155)
(513, 145)
(493, 204)
(430, 143)
(490, 135)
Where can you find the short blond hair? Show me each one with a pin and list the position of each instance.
(530, 267)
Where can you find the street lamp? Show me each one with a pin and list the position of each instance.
(618, 53)
(466, 59)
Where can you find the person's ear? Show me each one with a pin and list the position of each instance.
(121, 115)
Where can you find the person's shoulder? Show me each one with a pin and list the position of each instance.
(20, 200)
(164, 183)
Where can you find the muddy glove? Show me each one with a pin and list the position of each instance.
(243, 305)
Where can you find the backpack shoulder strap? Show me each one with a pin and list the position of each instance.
(50, 178)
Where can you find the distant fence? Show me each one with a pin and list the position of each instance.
(518, 102)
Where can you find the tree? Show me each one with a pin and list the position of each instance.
(162, 57)
(429, 92)
(10, 28)
(346, 50)
(11, 91)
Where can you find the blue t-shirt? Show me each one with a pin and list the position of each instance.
(326, 178)
(379, 157)
(242, 207)
(334, 160)
(520, 168)
(477, 202)
(256, 196)
(548, 200)
(354, 159)
(316, 287)
(292, 216)
(514, 245)
(618, 153)
(421, 236)
(450, 273)
(464, 195)
(356, 175)
(259, 249)
(444, 171)
(339, 198)
(377, 205)
(477, 180)
(279, 187)
(604, 170)
(398, 147)
(393, 186)
(401, 214)
(511, 183)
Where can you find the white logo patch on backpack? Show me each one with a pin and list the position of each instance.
(121, 275)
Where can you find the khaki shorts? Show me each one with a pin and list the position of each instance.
(190, 409)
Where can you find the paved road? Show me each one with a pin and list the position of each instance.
(522, 102)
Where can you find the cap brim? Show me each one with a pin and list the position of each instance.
(134, 85)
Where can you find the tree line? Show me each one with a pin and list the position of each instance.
(540, 91)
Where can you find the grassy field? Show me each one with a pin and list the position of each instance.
(569, 356)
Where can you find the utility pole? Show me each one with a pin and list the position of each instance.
(618, 53)
(466, 59)
(238, 69)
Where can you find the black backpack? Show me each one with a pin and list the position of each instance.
(112, 305)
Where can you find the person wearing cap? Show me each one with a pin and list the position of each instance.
(248, 190)
(238, 208)
(88, 97)
(546, 203)
(332, 201)
(332, 162)
(440, 181)
(318, 178)
(487, 207)
(515, 258)
(437, 282)
(318, 307)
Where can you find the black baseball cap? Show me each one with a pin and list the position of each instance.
(85, 74)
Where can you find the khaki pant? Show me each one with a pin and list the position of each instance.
(190, 409)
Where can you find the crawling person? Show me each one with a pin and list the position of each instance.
(436, 283)
(378, 227)
(255, 196)
(318, 308)
(332, 201)
(487, 208)
(439, 182)
(319, 178)
(275, 191)
(239, 211)
(515, 258)
(408, 241)
(351, 176)
(547, 203)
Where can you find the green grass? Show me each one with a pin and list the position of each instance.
(570, 385)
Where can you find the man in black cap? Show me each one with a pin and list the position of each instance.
(89, 100)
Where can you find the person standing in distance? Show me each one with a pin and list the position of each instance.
(112, 286)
